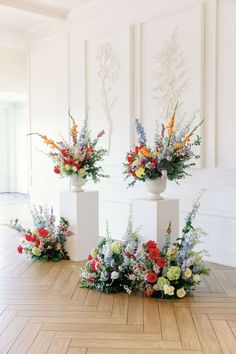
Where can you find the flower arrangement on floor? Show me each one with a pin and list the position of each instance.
(168, 158)
(171, 272)
(109, 267)
(46, 241)
(79, 157)
(176, 269)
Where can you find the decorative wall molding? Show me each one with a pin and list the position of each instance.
(108, 71)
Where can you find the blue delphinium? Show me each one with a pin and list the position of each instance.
(142, 139)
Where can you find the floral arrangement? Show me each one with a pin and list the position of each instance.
(169, 157)
(109, 267)
(79, 156)
(170, 272)
(46, 241)
(174, 270)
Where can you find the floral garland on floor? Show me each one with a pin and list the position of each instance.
(47, 240)
(168, 158)
(171, 272)
(110, 265)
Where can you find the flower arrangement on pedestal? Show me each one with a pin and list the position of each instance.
(46, 241)
(109, 266)
(168, 158)
(77, 158)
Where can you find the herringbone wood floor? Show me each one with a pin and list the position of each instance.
(43, 310)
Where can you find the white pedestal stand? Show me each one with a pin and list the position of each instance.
(81, 211)
(154, 217)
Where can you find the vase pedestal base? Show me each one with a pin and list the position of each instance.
(154, 215)
(81, 211)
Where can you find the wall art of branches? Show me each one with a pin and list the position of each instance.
(170, 76)
(108, 72)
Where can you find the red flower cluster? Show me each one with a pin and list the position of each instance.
(154, 253)
(151, 277)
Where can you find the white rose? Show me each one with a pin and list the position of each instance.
(196, 278)
(181, 292)
(187, 273)
(169, 290)
(114, 275)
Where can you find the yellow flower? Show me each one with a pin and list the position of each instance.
(36, 251)
(187, 273)
(116, 247)
(140, 172)
(93, 252)
(181, 292)
(171, 252)
(173, 273)
(82, 172)
(68, 167)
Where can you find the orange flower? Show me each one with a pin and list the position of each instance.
(145, 152)
(51, 143)
(171, 123)
(74, 131)
(178, 146)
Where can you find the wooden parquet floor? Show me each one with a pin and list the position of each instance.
(43, 310)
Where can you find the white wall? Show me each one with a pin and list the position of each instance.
(61, 77)
(13, 70)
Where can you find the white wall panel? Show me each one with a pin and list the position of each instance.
(48, 106)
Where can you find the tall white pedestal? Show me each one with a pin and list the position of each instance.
(81, 211)
(154, 216)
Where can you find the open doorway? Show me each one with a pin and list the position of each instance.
(14, 186)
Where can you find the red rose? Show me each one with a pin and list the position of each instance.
(149, 292)
(151, 244)
(64, 152)
(137, 148)
(154, 161)
(90, 257)
(92, 266)
(56, 170)
(154, 253)
(130, 159)
(20, 249)
(70, 161)
(133, 173)
(43, 232)
(161, 262)
(28, 237)
(151, 277)
(33, 237)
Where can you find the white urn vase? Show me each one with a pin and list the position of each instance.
(155, 187)
(77, 183)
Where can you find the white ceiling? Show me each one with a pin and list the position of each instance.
(23, 14)
(69, 4)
